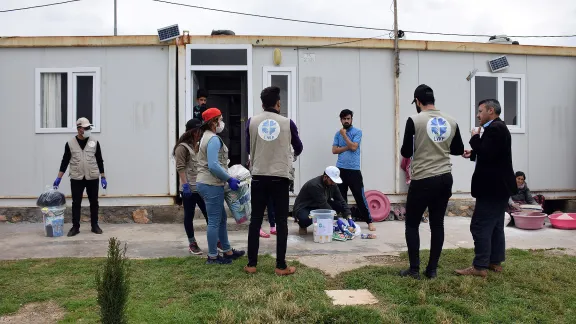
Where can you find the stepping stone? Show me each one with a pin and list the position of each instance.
(351, 297)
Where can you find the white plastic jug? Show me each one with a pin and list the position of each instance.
(323, 223)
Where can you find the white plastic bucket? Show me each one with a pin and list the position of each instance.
(53, 220)
(323, 223)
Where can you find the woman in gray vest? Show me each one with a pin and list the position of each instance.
(212, 177)
(186, 164)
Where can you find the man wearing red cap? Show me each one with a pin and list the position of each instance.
(269, 136)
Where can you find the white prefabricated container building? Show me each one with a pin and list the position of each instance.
(139, 93)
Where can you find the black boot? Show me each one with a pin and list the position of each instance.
(430, 273)
(410, 273)
(96, 229)
(73, 231)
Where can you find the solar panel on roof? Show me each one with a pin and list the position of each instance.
(168, 33)
(498, 64)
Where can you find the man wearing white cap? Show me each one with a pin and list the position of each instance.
(321, 192)
(84, 156)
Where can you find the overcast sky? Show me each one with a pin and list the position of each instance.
(144, 17)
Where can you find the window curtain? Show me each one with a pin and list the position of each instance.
(51, 92)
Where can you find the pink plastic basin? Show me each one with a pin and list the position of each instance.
(379, 205)
(529, 221)
(563, 223)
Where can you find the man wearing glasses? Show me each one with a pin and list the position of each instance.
(86, 166)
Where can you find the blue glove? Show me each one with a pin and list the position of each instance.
(186, 191)
(341, 225)
(351, 222)
(234, 183)
(56, 183)
(104, 183)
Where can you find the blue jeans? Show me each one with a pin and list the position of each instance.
(214, 198)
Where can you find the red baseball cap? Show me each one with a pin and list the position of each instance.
(210, 113)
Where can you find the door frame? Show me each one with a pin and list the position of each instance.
(192, 68)
(291, 72)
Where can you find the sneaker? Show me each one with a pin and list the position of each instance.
(264, 234)
(96, 229)
(273, 230)
(410, 273)
(194, 249)
(235, 255)
(218, 260)
(73, 231)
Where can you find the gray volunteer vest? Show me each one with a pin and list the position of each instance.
(204, 175)
(270, 139)
(83, 162)
(434, 133)
(191, 168)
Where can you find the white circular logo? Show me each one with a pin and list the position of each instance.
(438, 129)
(91, 143)
(269, 130)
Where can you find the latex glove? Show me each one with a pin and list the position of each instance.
(56, 183)
(341, 225)
(104, 183)
(233, 183)
(186, 191)
(351, 222)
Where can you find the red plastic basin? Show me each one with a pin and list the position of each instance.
(563, 223)
(529, 221)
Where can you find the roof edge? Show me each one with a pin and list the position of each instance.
(284, 41)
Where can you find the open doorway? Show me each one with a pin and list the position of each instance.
(227, 91)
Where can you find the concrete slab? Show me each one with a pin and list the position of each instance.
(22, 241)
(351, 297)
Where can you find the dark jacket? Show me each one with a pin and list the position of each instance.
(493, 176)
(315, 195)
(524, 195)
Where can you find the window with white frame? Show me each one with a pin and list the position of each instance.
(509, 90)
(283, 78)
(65, 94)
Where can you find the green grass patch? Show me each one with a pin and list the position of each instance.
(536, 287)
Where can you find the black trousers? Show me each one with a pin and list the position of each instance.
(432, 193)
(353, 179)
(487, 228)
(77, 187)
(303, 214)
(263, 189)
(189, 204)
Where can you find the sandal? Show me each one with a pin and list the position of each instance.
(264, 234)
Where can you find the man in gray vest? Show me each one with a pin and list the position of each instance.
(86, 166)
(430, 137)
(269, 136)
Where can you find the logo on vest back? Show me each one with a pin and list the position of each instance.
(269, 130)
(91, 143)
(438, 129)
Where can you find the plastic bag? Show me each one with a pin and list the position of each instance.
(51, 198)
(239, 201)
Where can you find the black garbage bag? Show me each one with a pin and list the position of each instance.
(51, 198)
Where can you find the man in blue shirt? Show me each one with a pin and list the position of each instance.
(347, 146)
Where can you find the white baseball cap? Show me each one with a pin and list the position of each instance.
(83, 122)
(333, 173)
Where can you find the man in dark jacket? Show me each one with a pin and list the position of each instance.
(320, 193)
(493, 182)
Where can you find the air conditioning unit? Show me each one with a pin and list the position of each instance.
(498, 64)
(168, 33)
(502, 39)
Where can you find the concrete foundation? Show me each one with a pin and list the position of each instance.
(169, 214)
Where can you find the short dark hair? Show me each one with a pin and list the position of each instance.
(270, 96)
(492, 103)
(520, 174)
(346, 112)
(201, 93)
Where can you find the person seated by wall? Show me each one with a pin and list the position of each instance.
(523, 197)
(320, 193)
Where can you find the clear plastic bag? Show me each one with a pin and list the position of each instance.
(51, 198)
(239, 201)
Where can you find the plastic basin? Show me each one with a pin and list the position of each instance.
(378, 204)
(569, 224)
(529, 221)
